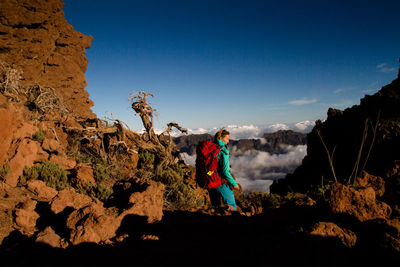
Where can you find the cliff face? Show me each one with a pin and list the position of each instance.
(343, 133)
(36, 39)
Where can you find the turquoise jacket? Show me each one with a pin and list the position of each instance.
(223, 163)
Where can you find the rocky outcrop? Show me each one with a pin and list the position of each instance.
(36, 40)
(86, 220)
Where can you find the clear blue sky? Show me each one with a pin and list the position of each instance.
(213, 63)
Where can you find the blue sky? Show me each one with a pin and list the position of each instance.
(213, 63)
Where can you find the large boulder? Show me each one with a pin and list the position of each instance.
(93, 224)
(69, 198)
(362, 203)
(26, 217)
(367, 180)
(41, 189)
(84, 174)
(49, 237)
(328, 229)
(141, 198)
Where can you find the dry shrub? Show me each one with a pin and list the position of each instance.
(44, 98)
(9, 81)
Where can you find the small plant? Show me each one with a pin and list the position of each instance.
(101, 173)
(96, 191)
(264, 200)
(180, 196)
(38, 136)
(146, 158)
(51, 173)
(4, 170)
(177, 168)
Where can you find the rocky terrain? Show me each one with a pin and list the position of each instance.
(77, 190)
(269, 142)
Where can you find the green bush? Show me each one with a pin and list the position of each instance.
(97, 191)
(264, 200)
(177, 168)
(38, 136)
(168, 177)
(180, 196)
(4, 170)
(101, 173)
(146, 158)
(51, 173)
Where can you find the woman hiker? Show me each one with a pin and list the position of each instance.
(221, 138)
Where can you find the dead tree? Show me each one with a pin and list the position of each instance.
(155, 143)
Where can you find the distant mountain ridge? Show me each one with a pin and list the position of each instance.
(269, 142)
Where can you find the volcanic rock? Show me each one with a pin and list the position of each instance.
(69, 198)
(141, 198)
(49, 237)
(361, 204)
(367, 180)
(25, 217)
(41, 189)
(329, 229)
(37, 40)
(92, 224)
(84, 174)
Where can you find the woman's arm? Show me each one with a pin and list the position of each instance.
(225, 168)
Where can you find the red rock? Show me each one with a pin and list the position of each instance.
(329, 229)
(49, 237)
(25, 156)
(368, 180)
(69, 198)
(50, 145)
(48, 50)
(361, 204)
(148, 203)
(41, 189)
(92, 224)
(84, 173)
(63, 161)
(25, 217)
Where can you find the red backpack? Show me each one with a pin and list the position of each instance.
(206, 165)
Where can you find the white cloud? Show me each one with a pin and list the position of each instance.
(277, 127)
(340, 90)
(303, 101)
(304, 126)
(257, 169)
(384, 68)
(189, 159)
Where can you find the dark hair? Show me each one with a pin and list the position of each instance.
(221, 134)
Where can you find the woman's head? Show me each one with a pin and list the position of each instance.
(222, 135)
